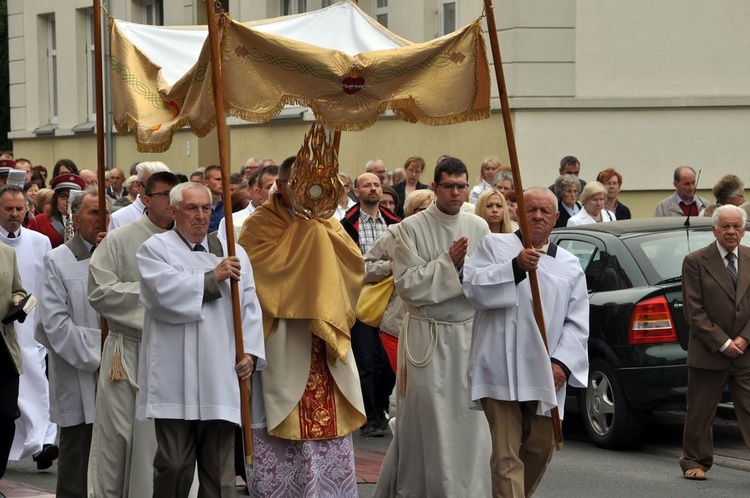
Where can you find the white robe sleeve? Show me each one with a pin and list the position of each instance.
(77, 345)
(111, 297)
(252, 317)
(174, 295)
(489, 281)
(421, 282)
(572, 348)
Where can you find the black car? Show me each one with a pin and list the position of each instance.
(638, 334)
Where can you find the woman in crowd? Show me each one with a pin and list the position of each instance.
(504, 182)
(43, 201)
(593, 210)
(729, 190)
(389, 200)
(64, 166)
(379, 265)
(31, 190)
(487, 173)
(613, 181)
(133, 186)
(492, 206)
(53, 224)
(566, 189)
(413, 168)
(39, 175)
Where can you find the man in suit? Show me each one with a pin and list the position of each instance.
(11, 293)
(683, 202)
(716, 296)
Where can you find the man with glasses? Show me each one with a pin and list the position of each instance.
(433, 392)
(377, 168)
(123, 449)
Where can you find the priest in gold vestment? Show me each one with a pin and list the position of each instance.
(308, 276)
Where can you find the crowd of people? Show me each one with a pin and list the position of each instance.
(150, 404)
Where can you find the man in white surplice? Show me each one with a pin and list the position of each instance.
(513, 377)
(440, 448)
(187, 366)
(123, 449)
(35, 433)
(71, 330)
(134, 211)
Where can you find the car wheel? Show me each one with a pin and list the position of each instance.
(609, 419)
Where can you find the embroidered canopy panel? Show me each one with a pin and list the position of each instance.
(337, 61)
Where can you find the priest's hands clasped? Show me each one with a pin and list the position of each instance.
(528, 259)
(228, 268)
(457, 251)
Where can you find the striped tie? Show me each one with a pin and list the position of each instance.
(731, 268)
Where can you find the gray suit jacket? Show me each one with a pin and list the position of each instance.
(714, 310)
(10, 287)
(671, 207)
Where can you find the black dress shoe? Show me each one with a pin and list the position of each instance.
(47, 456)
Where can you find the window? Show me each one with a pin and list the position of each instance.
(289, 7)
(153, 11)
(381, 12)
(52, 68)
(90, 68)
(447, 17)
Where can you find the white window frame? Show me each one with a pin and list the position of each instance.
(441, 16)
(152, 12)
(291, 7)
(52, 68)
(380, 11)
(90, 66)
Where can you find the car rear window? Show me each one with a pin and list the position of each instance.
(660, 254)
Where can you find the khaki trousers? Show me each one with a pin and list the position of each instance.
(183, 443)
(73, 462)
(522, 444)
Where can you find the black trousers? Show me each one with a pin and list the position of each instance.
(9, 411)
(375, 374)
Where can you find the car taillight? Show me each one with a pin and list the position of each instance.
(651, 322)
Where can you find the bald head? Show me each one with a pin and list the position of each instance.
(89, 177)
(369, 189)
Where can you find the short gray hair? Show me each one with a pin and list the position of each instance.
(728, 208)
(149, 167)
(176, 194)
(77, 203)
(564, 183)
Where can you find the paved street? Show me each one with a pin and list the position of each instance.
(581, 469)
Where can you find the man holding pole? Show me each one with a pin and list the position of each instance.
(187, 369)
(122, 449)
(512, 376)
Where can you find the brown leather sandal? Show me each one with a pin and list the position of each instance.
(695, 474)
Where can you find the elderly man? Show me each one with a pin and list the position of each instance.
(189, 376)
(250, 167)
(11, 294)
(122, 450)
(71, 330)
(715, 283)
(134, 211)
(377, 168)
(35, 433)
(115, 189)
(433, 391)
(512, 376)
(683, 202)
(310, 392)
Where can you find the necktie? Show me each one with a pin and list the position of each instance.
(731, 268)
(11, 235)
(199, 248)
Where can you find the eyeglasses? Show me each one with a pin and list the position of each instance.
(450, 186)
(157, 194)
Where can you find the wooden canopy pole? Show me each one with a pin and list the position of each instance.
(523, 222)
(101, 164)
(221, 133)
